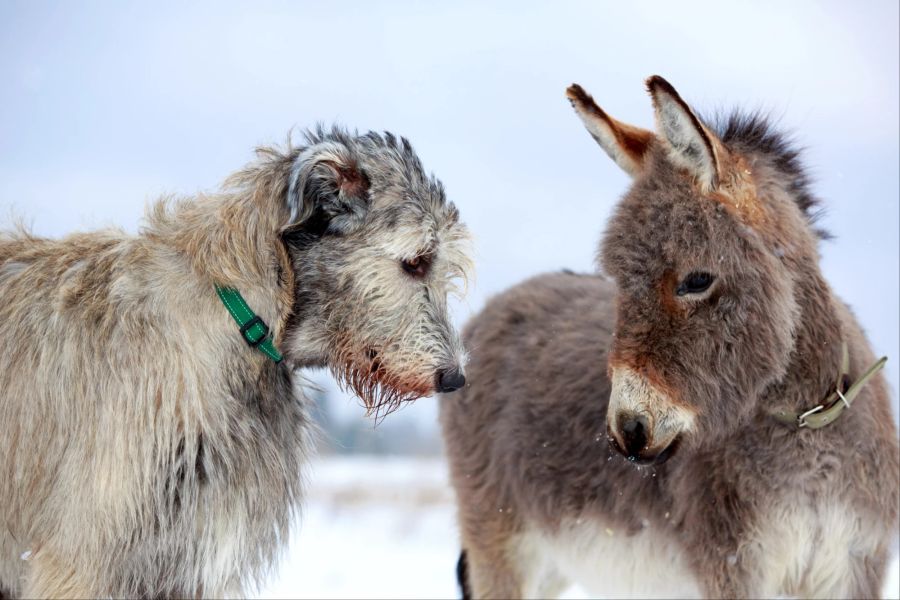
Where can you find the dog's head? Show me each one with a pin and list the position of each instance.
(376, 249)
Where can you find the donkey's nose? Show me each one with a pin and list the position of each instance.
(450, 381)
(634, 435)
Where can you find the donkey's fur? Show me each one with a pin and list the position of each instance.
(147, 449)
(747, 506)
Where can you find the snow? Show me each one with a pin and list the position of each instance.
(384, 527)
(375, 527)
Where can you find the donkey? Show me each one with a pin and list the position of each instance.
(155, 430)
(682, 430)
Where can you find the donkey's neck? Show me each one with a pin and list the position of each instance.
(814, 363)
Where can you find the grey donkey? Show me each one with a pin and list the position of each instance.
(679, 430)
(149, 449)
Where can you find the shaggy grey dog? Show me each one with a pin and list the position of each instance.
(148, 449)
(680, 430)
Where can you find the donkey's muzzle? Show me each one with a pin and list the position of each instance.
(631, 439)
(644, 423)
(450, 381)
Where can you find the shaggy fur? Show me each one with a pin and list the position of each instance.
(148, 450)
(565, 370)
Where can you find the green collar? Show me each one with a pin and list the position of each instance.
(253, 329)
(836, 402)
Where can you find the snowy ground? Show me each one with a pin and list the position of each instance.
(383, 527)
(377, 527)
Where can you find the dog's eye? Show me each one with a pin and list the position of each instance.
(695, 283)
(418, 266)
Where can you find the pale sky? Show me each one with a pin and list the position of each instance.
(106, 105)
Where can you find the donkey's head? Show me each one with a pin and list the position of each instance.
(376, 248)
(706, 249)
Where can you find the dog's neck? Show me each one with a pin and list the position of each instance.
(308, 348)
(232, 240)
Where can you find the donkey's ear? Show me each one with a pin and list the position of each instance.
(625, 144)
(328, 189)
(691, 145)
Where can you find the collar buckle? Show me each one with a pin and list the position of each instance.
(842, 397)
(801, 420)
(245, 331)
(249, 323)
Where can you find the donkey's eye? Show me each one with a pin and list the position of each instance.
(695, 283)
(418, 266)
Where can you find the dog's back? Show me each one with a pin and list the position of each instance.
(52, 324)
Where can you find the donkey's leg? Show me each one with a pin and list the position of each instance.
(487, 564)
(501, 561)
(537, 572)
(491, 574)
(499, 577)
(511, 567)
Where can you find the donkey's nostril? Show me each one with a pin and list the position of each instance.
(450, 381)
(634, 434)
(632, 427)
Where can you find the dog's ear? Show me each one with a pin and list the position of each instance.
(328, 191)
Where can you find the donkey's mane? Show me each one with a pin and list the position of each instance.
(755, 132)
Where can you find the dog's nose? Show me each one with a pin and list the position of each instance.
(450, 381)
(634, 435)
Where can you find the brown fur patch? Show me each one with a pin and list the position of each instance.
(666, 291)
(381, 391)
(737, 191)
(632, 141)
(351, 180)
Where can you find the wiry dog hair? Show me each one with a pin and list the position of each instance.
(148, 450)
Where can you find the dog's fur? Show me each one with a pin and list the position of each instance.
(147, 449)
(747, 506)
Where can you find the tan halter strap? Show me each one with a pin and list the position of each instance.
(836, 402)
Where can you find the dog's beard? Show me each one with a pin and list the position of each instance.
(381, 391)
